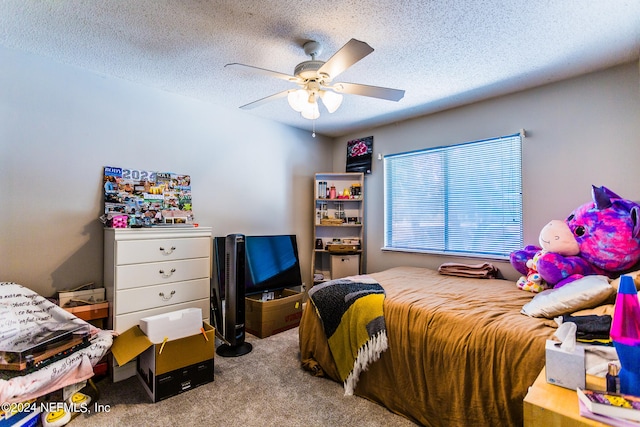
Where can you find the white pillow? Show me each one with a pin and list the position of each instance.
(587, 292)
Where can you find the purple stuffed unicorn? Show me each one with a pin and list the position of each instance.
(600, 237)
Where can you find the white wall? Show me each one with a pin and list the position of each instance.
(59, 126)
(580, 132)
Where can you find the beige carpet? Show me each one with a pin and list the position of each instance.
(266, 387)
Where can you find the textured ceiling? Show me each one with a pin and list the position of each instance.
(442, 53)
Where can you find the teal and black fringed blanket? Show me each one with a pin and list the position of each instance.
(353, 320)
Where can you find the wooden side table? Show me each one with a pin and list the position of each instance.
(550, 405)
(95, 314)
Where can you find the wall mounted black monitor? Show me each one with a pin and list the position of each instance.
(271, 263)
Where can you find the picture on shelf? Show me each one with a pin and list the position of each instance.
(147, 198)
(359, 155)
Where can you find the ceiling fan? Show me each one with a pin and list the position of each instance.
(315, 80)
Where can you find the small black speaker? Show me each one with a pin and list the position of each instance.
(234, 304)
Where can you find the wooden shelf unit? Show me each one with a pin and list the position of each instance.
(350, 209)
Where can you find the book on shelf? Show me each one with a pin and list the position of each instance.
(613, 405)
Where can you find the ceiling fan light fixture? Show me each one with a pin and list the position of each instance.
(298, 99)
(311, 111)
(314, 77)
(304, 102)
(331, 100)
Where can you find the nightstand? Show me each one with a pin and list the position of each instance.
(550, 405)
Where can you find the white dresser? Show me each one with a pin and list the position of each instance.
(149, 271)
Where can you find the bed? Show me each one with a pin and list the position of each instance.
(460, 352)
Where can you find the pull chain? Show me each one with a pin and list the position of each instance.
(313, 134)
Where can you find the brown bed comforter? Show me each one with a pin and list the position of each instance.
(460, 353)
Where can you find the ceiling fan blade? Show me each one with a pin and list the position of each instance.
(371, 91)
(264, 100)
(271, 73)
(348, 55)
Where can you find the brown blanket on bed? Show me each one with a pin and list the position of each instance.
(460, 353)
(480, 271)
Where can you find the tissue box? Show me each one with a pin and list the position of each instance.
(563, 368)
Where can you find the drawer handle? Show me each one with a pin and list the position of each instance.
(165, 275)
(167, 252)
(164, 298)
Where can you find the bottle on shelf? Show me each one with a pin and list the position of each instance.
(356, 190)
(612, 378)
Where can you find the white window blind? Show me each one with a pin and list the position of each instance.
(462, 199)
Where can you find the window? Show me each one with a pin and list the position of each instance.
(462, 199)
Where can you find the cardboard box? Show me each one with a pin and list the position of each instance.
(265, 318)
(563, 368)
(169, 368)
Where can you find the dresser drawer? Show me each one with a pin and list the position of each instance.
(156, 250)
(148, 297)
(125, 321)
(156, 273)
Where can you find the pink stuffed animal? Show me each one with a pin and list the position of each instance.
(599, 237)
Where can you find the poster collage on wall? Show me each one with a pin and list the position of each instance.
(139, 198)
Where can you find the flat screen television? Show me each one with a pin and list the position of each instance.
(271, 263)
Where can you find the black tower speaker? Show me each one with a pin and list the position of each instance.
(234, 332)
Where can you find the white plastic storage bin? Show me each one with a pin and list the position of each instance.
(344, 265)
(173, 325)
